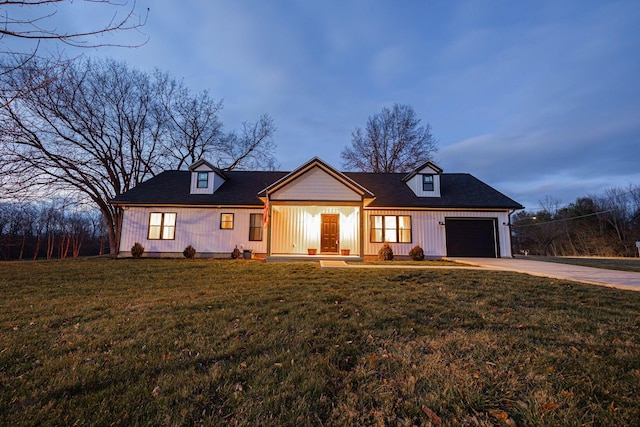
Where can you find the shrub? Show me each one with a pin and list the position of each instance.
(236, 253)
(385, 253)
(137, 250)
(189, 252)
(416, 253)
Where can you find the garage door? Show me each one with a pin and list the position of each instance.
(472, 237)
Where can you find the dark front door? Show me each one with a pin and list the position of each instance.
(472, 237)
(330, 233)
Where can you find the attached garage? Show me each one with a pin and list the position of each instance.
(472, 237)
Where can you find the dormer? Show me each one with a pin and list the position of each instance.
(205, 178)
(425, 180)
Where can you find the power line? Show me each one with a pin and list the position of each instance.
(566, 205)
(562, 219)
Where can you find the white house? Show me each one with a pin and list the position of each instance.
(315, 207)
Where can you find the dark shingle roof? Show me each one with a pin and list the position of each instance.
(458, 190)
(173, 187)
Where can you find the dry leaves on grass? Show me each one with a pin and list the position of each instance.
(433, 418)
(501, 415)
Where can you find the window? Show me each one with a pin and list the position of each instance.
(255, 227)
(203, 179)
(226, 221)
(162, 226)
(390, 228)
(427, 182)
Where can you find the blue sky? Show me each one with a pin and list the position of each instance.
(537, 98)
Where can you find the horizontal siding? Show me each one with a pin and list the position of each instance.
(427, 232)
(316, 184)
(297, 228)
(199, 227)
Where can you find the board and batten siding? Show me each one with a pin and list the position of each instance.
(427, 231)
(214, 181)
(316, 184)
(198, 227)
(297, 228)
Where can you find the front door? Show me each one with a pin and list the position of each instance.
(330, 233)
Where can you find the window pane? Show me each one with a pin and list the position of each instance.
(170, 219)
(404, 222)
(404, 229)
(376, 229)
(154, 232)
(256, 220)
(203, 179)
(390, 234)
(427, 182)
(168, 232)
(255, 227)
(169, 226)
(155, 226)
(155, 219)
(226, 221)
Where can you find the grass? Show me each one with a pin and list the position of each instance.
(622, 264)
(203, 342)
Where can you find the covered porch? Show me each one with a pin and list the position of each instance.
(315, 232)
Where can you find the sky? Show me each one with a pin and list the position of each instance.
(539, 99)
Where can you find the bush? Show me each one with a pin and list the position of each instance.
(385, 253)
(189, 252)
(236, 253)
(137, 250)
(416, 253)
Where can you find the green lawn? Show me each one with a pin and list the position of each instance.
(184, 342)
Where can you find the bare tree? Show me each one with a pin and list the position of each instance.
(36, 20)
(26, 24)
(99, 128)
(193, 130)
(252, 148)
(192, 125)
(393, 141)
(91, 131)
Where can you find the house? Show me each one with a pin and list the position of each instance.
(315, 207)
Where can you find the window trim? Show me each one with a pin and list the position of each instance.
(223, 222)
(202, 180)
(162, 226)
(253, 228)
(383, 230)
(428, 181)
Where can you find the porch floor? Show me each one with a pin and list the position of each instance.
(312, 258)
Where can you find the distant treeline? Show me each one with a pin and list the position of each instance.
(46, 230)
(605, 225)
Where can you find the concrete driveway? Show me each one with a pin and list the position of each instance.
(595, 276)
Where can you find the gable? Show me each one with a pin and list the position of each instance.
(316, 184)
(215, 178)
(415, 180)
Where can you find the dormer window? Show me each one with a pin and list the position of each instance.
(203, 179)
(427, 183)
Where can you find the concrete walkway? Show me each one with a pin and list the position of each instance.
(595, 276)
